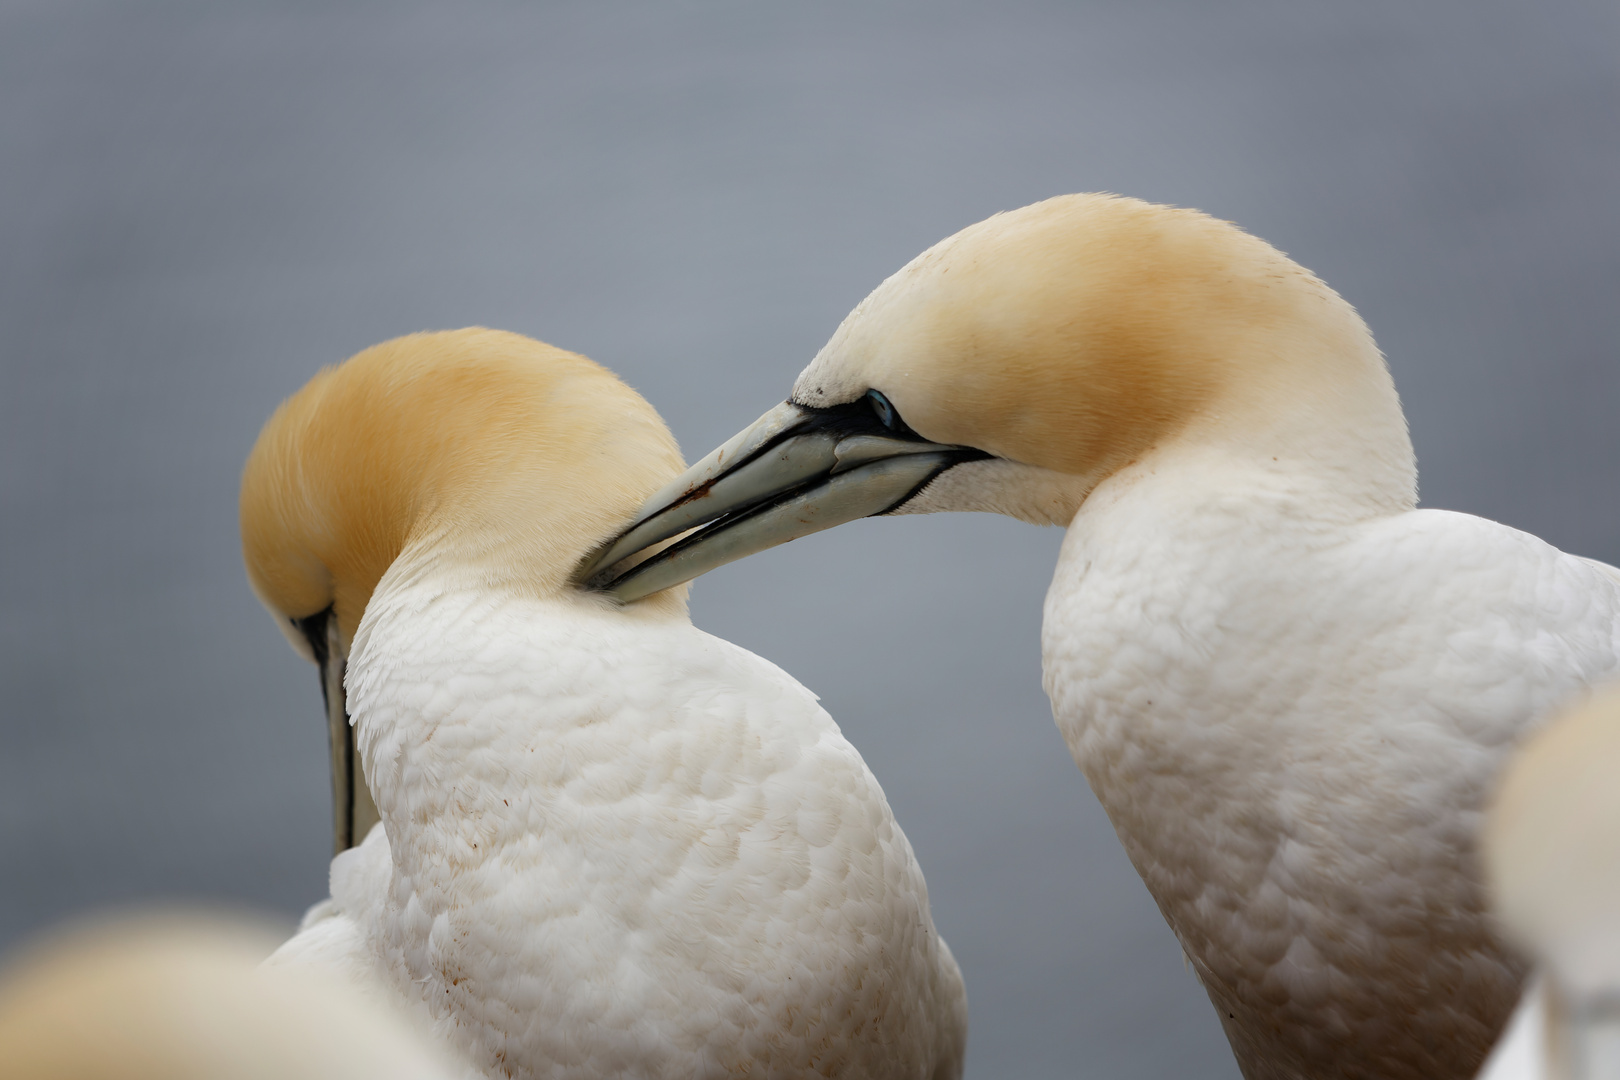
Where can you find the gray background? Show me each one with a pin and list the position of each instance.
(200, 204)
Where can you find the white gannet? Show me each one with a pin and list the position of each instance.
(1552, 860)
(611, 845)
(183, 997)
(1288, 687)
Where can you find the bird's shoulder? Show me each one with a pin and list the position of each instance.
(593, 793)
(500, 654)
(1472, 569)
(566, 720)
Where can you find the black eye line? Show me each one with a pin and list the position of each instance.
(857, 417)
(897, 423)
(883, 408)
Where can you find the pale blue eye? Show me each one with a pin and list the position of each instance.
(881, 406)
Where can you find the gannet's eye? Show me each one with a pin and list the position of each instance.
(881, 406)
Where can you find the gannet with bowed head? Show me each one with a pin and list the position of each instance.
(611, 845)
(1552, 858)
(183, 997)
(1288, 687)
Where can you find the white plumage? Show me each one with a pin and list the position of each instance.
(1290, 689)
(611, 845)
(626, 848)
(1294, 727)
(1521, 1052)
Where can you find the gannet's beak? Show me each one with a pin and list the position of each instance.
(353, 811)
(794, 471)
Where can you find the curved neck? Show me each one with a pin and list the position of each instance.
(1329, 419)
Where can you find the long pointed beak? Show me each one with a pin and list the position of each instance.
(353, 811)
(792, 472)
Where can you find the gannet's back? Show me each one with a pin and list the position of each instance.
(628, 847)
(1294, 726)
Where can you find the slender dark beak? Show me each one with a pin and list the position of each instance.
(353, 811)
(794, 471)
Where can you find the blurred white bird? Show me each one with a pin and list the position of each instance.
(611, 845)
(1552, 858)
(183, 997)
(1289, 688)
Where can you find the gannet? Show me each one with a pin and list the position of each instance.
(183, 997)
(1552, 859)
(1288, 687)
(611, 845)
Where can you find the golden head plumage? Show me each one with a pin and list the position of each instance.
(1079, 333)
(481, 447)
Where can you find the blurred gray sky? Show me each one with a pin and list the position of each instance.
(200, 204)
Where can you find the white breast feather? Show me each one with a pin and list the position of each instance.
(627, 848)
